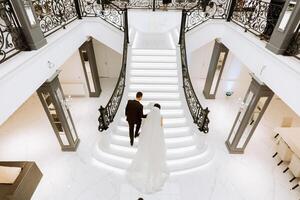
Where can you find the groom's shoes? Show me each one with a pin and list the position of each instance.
(131, 142)
(137, 135)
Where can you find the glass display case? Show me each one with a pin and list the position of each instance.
(53, 101)
(251, 110)
(90, 68)
(216, 66)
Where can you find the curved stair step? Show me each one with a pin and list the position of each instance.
(154, 80)
(156, 95)
(153, 88)
(164, 52)
(175, 166)
(157, 72)
(153, 58)
(169, 132)
(156, 65)
(124, 141)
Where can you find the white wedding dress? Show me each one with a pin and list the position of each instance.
(148, 170)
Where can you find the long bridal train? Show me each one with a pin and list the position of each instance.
(157, 73)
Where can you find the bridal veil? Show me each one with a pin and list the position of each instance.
(148, 170)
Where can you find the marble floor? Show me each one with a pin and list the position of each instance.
(27, 135)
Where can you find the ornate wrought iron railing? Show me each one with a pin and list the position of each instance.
(257, 16)
(12, 40)
(108, 112)
(205, 10)
(54, 14)
(156, 4)
(199, 114)
(107, 11)
(294, 46)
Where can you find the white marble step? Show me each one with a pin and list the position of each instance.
(168, 122)
(169, 132)
(156, 65)
(160, 59)
(184, 153)
(156, 72)
(154, 80)
(175, 166)
(167, 113)
(164, 104)
(170, 142)
(153, 88)
(164, 52)
(152, 96)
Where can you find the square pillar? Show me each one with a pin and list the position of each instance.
(90, 69)
(216, 66)
(29, 23)
(253, 107)
(54, 103)
(286, 27)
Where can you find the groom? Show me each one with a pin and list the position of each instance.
(134, 115)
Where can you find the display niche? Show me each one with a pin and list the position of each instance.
(54, 103)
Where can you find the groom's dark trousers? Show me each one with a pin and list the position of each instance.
(134, 115)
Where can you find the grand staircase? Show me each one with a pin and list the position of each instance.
(157, 74)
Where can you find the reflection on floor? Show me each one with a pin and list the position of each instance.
(27, 135)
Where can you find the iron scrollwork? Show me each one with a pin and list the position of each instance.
(12, 39)
(54, 14)
(257, 16)
(215, 9)
(107, 11)
(108, 112)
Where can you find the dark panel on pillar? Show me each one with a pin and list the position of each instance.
(216, 66)
(285, 28)
(89, 64)
(252, 109)
(53, 101)
(29, 23)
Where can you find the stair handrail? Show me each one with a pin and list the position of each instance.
(199, 114)
(108, 112)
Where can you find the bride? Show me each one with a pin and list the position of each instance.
(148, 170)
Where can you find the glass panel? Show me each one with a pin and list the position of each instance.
(217, 73)
(29, 13)
(65, 110)
(287, 15)
(252, 121)
(241, 114)
(88, 71)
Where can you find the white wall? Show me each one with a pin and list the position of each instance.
(235, 75)
(22, 75)
(280, 73)
(72, 77)
(109, 62)
(199, 61)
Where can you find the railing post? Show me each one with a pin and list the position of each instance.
(29, 23)
(204, 113)
(182, 26)
(126, 24)
(285, 28)
(78, 10)
(153, 5)
(231, 10)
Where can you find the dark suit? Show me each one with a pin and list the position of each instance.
(134, 115)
